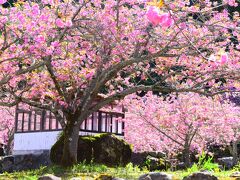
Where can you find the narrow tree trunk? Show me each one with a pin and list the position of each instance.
(71, 135)
(235, 152)
(186, 150)
(10, 142)
(186, 156)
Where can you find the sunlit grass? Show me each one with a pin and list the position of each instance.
(92, 171)
(81, 170)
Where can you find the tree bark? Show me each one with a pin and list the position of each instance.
(235, 152)
(186, 156)
(10, 141)
(71, 135)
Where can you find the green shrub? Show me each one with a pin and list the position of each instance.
(237, 167)
(204, 163)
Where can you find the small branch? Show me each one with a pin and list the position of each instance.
(54, 79)
(162, 132)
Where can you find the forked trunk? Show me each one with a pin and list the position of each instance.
(71, 135)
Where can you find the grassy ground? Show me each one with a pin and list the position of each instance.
(92, 172)
(84, 171)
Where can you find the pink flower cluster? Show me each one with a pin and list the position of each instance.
(153, 123)
(61, 24)
(3, 1)
(6, 123)
(164, 20)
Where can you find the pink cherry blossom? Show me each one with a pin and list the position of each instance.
(156, 18)
(3, 1)
(153, 16)
(154, 123)
(40, 39)
(75, 51)
(166, 20)
(7, 127)
(60, 23)
(69, 23)
(224, 59)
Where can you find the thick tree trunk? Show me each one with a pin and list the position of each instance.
(71, 135)
(186, 150)
(186, 156)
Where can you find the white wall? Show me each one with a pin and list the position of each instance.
(36, 142)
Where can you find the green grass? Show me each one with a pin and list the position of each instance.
(221, 175)
(89, 171)
(92, 171)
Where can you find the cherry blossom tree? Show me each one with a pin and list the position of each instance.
(186, 123)
(60, 56)
(7, 128)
